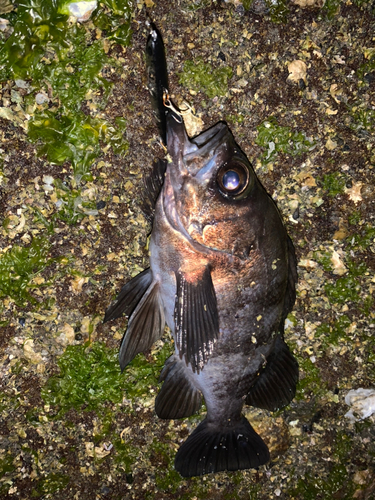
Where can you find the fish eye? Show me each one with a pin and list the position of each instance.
(233, 179)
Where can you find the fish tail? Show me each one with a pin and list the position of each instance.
(213, 448)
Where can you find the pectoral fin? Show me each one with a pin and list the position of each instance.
(146, 325)
(196, 318)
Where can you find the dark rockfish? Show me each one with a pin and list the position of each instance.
(222, 276)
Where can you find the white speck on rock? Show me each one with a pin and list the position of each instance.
(41, 98)
(362, 402)
(82, 10)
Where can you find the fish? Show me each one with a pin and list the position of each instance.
(223, 277)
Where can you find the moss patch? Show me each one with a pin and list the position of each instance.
(20, 266)
(277, 139)
(200, 76)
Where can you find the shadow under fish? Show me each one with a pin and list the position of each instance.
(222, 276)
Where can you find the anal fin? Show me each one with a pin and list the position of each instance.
(213, 448)
(178, 398)
(276, 385)
(196, 318)
(146, 325)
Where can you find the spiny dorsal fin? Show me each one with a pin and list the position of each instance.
(153, 184)
(146, 325)
(129, 296)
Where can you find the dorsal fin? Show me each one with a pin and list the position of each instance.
(153, 184)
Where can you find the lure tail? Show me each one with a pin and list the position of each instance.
(157, 78)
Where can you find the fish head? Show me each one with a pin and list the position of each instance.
(210, 189)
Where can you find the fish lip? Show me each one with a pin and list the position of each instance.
(184, 150)
(209, 140)
(192, 158)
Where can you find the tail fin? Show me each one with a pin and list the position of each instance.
(213, 448)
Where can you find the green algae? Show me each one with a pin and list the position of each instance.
(324, 259)
(39, 25)
(19, 266)
(337, 484)
(345, 289)
(362, 120)
(200, 76)
(72, 207)
(277, 9)
(35, 24)
(141, 374)
(333, 334)
(167, 479)
(277, 139)
(50, 484)
(237, 118)
(194, 5)
(70, 134)
(333, 183)
(126, 453)
(368, 66)
(310, 381)
(348, 288)
(354, 218)
(330, 10)
(61, 60)
(362, 239)
(114, 18)
(6, 467)
(90, 376)
(68, 138)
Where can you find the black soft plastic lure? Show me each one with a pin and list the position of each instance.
(222, 276)
(157, 78)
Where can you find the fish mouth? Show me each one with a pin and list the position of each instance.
(192, 159)
(200, 154)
